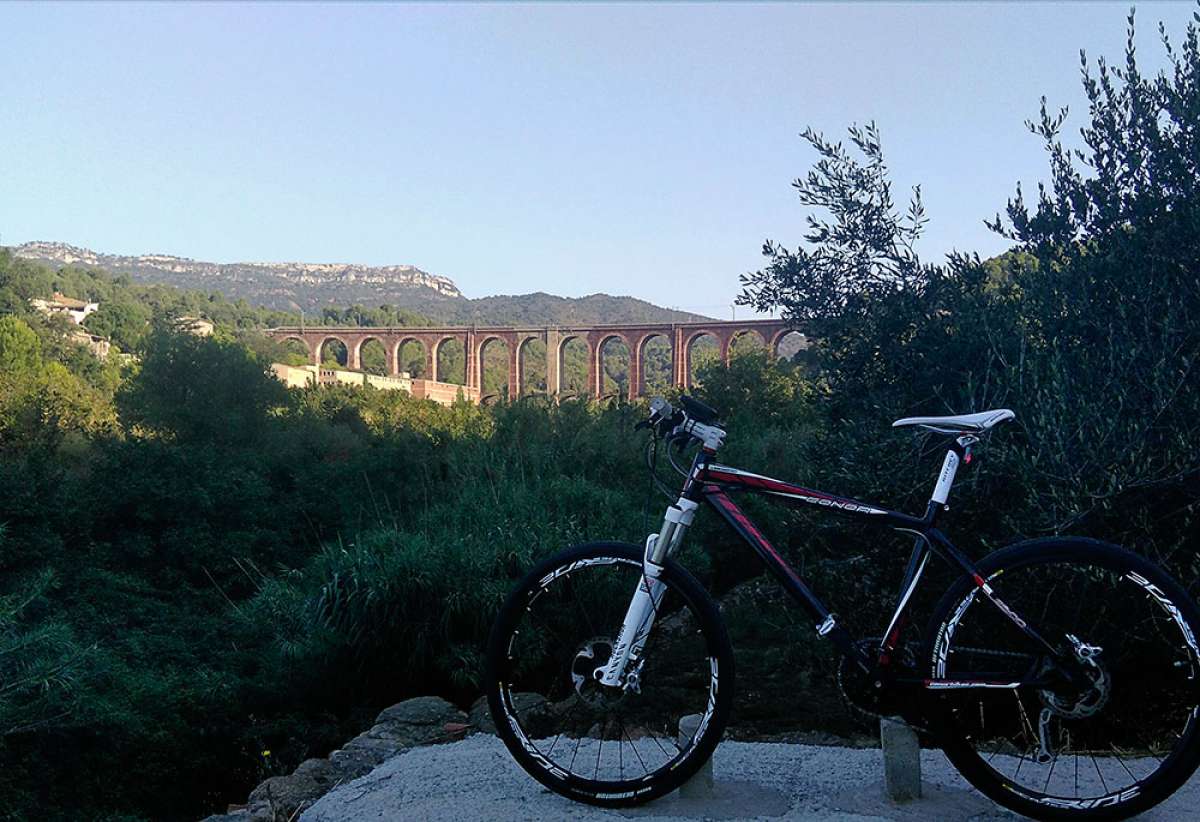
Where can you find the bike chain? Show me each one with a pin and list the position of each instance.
(872, 644)
(989, 652)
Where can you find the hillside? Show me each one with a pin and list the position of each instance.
(312, 287)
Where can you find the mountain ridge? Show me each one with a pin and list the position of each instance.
(313, 287)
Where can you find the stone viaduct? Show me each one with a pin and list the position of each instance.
(679, 336)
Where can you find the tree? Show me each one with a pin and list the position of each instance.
(123, 322)
(859, 290)
(1088, 329)
(199, 389)
(39, 660)
(20, 348)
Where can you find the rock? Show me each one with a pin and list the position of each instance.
(319, 770)
(240, 815)
(418, 721)
(480, 718)
(456, 730)
(280, 797)
(351, 763)
(425, 720)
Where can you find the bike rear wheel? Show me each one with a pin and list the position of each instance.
(589, 742)
(1114, 740)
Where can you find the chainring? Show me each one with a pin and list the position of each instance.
(869, 696)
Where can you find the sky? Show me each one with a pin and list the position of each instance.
(573, 149)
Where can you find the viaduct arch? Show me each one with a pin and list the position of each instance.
(679, 336)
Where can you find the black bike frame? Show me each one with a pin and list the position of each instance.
(714, 483)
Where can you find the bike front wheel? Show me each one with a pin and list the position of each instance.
(603, 745)
(1108, 726)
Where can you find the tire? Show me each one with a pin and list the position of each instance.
(713, 641)
(950, 712)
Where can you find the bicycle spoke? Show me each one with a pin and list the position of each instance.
(1127, 699)
(620, 745)
(578, 742)
(1096, 765)
(567, 631)
(636, 753)
(1053, 762)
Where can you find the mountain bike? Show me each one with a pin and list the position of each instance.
(1058, 675)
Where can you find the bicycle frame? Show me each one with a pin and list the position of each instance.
(714, 484)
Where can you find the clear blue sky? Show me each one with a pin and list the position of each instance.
(570, 149)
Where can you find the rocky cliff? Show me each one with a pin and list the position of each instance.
(284, 286)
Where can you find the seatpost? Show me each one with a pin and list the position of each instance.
(958, 453)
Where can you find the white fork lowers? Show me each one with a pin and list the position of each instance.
(643, 608)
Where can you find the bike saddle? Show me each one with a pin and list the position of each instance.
(961, 423)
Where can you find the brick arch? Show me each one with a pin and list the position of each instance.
(597, 364)
(560, 350)
(298, 338)
(320, 346)
(394, 353)
(778, 337)
(436, 347)
(727, 347)
(686, 354)
(483, 341)
(518, 364)
(355, 357)
(637, 384)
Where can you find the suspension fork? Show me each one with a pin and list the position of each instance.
(643, 608)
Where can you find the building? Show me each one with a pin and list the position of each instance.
(196, 325)
(295, 376)
(99, 346)
(59, 304)
(303, 376)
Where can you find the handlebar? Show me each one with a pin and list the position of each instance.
(694, 420)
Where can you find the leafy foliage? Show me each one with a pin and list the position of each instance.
(1087, 329)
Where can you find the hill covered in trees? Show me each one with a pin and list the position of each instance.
(315, 287)
(129, 311)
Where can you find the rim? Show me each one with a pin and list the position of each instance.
(613, 742)
(1075, 747)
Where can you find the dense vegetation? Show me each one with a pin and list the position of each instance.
(199, 566)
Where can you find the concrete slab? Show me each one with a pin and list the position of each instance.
(475, 779)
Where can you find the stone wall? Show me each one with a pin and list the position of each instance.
(426, 720)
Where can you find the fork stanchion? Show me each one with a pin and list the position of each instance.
(700, 786)
(901, 759)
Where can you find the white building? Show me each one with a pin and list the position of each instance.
(77, 310)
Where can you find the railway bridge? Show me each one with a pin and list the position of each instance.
(475, 340)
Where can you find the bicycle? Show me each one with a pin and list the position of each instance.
(607, 645)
